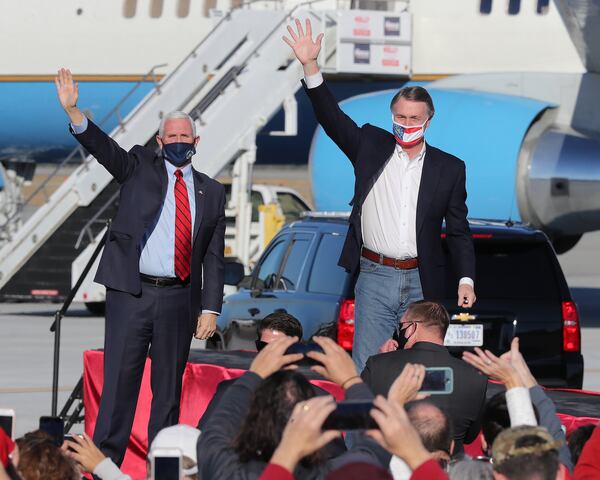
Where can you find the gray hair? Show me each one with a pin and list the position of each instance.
(174, 115)
(469, 469)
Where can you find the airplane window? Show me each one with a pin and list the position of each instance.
(129, 7)
(485, 7)
(183, 8)
(542, 7)
(514, 6)
(156, 8)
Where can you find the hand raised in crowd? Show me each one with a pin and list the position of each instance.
(68, 93)
(516, 359)
(273, 358)
(302, 434)
(335, 363)
(466, 295)
(206, 326)
(84, 452)
(499, 369)
(407, 385)
(302, 44)
(396, 434)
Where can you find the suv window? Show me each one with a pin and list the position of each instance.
(291, 206)
(326, 275)
(511, 270)
(269, 267)
(296, 257)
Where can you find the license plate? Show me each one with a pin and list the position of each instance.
(464, 336)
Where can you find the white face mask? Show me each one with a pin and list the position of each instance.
(408, 136)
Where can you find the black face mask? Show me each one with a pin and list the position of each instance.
(400, 338)
(178, 153)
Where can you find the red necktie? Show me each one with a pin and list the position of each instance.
(183, 228)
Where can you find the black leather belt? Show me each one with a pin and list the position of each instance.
(162, 281)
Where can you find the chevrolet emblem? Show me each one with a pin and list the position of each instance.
(464, 317)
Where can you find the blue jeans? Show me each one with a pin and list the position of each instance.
(382, 296)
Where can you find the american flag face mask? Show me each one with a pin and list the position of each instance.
(408, 136)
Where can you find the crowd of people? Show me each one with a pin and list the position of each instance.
(268, 423)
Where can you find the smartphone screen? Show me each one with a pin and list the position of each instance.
(166, 468)
(351, 415)
(6, 423)
(438, 380)
(54, 427)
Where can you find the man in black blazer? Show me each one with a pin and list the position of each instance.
(423, 329)
(404, 189)
(162, 266)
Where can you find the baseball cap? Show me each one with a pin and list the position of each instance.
(182, 437)
(522, 440)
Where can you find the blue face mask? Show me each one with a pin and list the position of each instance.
(179, 153)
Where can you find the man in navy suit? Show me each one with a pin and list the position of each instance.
(162, 266)
(404, 189)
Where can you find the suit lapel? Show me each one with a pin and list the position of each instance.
(164, 181)
(386, 152)
(199, 196)
(430, 177)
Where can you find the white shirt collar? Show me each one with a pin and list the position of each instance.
(418, 158)
(184, 170)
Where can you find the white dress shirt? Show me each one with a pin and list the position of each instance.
(389, 213)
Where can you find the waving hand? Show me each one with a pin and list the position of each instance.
(305, 49)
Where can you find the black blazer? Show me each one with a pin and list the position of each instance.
(464, 405)
(143, 178)
(442, 195)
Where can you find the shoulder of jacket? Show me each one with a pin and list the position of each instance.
(448, 158)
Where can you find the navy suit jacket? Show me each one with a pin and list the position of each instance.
(442, 195)
(143, 179)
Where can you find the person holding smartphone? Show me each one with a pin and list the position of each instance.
(242, 434)
(422, 333)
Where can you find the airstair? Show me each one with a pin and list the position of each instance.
(231, 83)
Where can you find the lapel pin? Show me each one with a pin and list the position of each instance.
(200, 192)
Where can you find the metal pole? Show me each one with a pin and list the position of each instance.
(57, 322)
(60, 313)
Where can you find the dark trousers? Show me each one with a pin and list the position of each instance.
(159, 322)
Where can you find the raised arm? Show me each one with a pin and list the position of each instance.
(116, 160)
(338, 126)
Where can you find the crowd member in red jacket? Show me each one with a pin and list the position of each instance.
(588, 466)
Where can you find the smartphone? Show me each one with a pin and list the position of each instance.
(69, 437)
(7, 421)
(165, 464)
(351, 415)
(55, 427)
(438, 381)
(304, 348)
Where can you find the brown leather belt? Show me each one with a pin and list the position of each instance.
(406, 264)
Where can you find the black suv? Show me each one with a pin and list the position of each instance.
(520, 288)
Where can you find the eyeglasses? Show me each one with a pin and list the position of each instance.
(260, 344)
